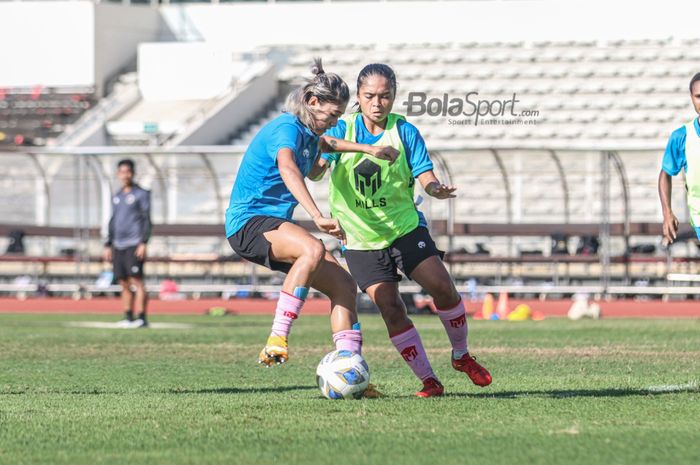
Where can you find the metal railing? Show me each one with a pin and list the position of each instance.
(179, 174)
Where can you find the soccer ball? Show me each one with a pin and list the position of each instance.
(342, 375)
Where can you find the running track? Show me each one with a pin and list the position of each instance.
(612, 309)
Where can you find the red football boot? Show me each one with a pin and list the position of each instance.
(468, 364)
(431, 388)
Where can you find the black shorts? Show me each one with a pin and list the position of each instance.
(250, 243)
(125, 264)
(379, 266)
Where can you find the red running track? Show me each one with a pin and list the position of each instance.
(558, 308)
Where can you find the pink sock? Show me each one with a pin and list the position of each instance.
(409, 345)
(288, 308)
(455, 322)
(350, 339)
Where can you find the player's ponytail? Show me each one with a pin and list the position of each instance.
(326, 87)
(317, 67)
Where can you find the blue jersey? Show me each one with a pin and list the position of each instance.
(414, 145)
(674, 157)
(259, 189)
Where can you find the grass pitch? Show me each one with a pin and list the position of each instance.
(588, 392)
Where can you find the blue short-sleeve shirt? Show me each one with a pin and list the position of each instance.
(674, 157)
(259, 189)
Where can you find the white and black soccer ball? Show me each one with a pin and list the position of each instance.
(342, 375)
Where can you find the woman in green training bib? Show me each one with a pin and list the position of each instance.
(373, 201)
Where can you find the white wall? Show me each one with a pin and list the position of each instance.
(185, 71)
(79, 43)
(118, 31)
(70, 43)
(47, 43)
(228, 118)
(248, 25)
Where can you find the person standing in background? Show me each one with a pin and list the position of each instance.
(129, 231)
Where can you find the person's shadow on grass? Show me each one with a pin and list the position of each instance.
(244, 390)
(568, 393)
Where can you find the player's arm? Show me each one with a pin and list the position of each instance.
(294, 180)
(333, 144)
(319, 169)
(145, 205)
(670, 224)
(420, 163)
(673, 162)
(433, 187)
(107, 252)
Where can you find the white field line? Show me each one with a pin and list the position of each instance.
(109, 325)
(691, 386)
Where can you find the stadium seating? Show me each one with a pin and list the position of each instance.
(640, 86)
(592, 93)
(36, 116)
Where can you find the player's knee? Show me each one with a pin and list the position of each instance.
(350, 288)
(390, 302)
(396, 321)
(444, 294)
(345, 290)
(392, 310)
(314, 252)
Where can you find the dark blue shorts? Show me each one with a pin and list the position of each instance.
(249, 242)
(125, 264)
(370, 267)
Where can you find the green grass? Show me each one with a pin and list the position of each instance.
(563, 393)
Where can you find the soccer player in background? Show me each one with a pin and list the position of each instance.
(129, 231)
(682, 153)
(268, 187)
(373, 200)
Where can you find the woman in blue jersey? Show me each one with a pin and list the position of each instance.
(269, 185)
(373, 200)
(682, 154)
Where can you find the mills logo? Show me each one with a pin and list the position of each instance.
(459, 321)
(409, 353)
(368, 178)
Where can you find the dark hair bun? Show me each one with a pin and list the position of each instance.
(317, 67)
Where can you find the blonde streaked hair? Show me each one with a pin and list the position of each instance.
(326, 87)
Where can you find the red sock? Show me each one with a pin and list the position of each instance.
(409, 345)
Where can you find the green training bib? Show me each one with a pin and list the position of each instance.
(373, 200)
